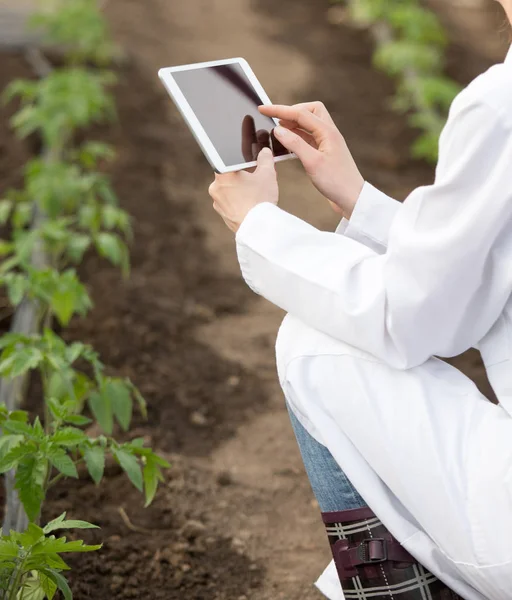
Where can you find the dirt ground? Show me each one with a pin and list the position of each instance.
(236, 518)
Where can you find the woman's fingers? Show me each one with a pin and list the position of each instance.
(307, 137)
(303, 118)
(317, 108)
(293, 141)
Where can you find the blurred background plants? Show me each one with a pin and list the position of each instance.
(410, 46)
(66, 208)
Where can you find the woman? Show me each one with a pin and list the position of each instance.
(370, 306)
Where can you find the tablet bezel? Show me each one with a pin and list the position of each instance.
(166, 76)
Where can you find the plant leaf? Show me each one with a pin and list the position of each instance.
(68, 437)
(110, 246)
(15, 455)
(58, 545)
(77, 420)
(60, 523)
(8, 549)
(152, 476)
(29, 481)
(21, 361)
(32, 589)
(95, 461)
(101, 408)
(5, 211)
(121, 401)
(130, 466)
(77, 246)
(49, 586)
(63, 305)
(62, 462)
(60, 581)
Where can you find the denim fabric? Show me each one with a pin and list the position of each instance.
(331, 487)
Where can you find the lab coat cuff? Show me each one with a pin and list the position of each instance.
(251, 234)
(342, 226)
(372, 217)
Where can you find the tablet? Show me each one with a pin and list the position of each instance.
(219, 101)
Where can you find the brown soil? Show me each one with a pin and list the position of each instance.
(236, 518)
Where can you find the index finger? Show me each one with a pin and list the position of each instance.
(304, 118)
(318, 109)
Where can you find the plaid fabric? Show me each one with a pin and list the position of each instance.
(404, 581)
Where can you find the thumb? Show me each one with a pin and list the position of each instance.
(265, 160)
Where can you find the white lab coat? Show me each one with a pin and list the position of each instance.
(371, 305)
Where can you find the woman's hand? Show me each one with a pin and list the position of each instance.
(234, 194)
(309, 131)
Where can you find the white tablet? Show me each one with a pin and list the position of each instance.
(219, 101)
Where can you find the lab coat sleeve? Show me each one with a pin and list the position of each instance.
(433, 291)
(371, 219)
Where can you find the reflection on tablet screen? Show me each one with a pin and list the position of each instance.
(226, 104)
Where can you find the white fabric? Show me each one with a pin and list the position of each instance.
(368, 310)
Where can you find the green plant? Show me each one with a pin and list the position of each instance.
(31, 564)
(410, 47)
(66, 208)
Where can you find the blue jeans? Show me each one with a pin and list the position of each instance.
(331, 487)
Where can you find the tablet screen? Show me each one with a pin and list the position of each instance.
(226, 104)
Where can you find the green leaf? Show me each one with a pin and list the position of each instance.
(61, 523)
(74, 351)
(82, 386)
(51, 559)
(57, 410)
(59, 545)
(8, 442)
(130, 466)
(15, 455)
(59, 581)
(77, 246)
(63, 305)
(62, 462)
(17, 286)
(101, 408)
(32, 589)
(23, 214)
(77, 420)
(49, 586)
(5, 249)
(119, 396)
(60, 519)
(141, 402)
(95, 461)
(21, 361)
(19, 415)
(5, 210)
(69, 437)
(91, 152)
(152, 475)
(29, 481)
(111, 247)
(32, 535)
(18, 428)
(8, 549)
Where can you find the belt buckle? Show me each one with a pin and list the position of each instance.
(363, 551)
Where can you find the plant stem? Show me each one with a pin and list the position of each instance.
(13, 592)
(60, 476)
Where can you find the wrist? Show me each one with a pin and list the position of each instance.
(351, 194)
